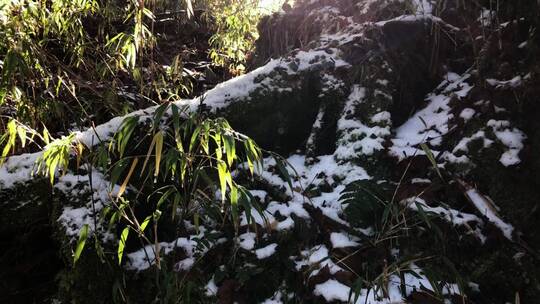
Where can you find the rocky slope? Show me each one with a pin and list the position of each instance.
(412, 129)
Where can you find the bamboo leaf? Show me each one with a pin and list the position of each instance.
(158, 114)
(145, 223)
(284, 172)
(83, 235)
(159, 148)
(122, 244)
(176, 202)
(222, 174)
(230, 149)
(126, 180)
(423, 213)
(165, 196)
(148, 153)
(22, 135)
(431, 158)
(124, 134)
(194, 138)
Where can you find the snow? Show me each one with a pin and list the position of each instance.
(419, 16)
(324, 169)
(365, 5)
(457, 218)
(314, 259)
(77, 187)
(342, 240)
(145, 257)
(332, 290)
(247, 240)
(432, 122)
(423, 6)
(486, 17)
(185, 264)
(265, 252)
(512, 138)
(357, 137)
(467, 114)
(464, 142)
(487, 209)
(275, 299)
(418, 180)
(384, 116)
(512, 83)
(17, 169)
(211, 288)
(260, 194)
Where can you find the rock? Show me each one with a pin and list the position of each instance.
(432, 116)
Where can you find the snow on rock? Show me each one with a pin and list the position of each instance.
(456, 217)
(504, 84)
(332, 290)
(76, 187)
(464, 142)
(357, 137)
(265, 252)
(342, 240)
(314, 259)
(467, 114)
(211, 289)
(247, 240)
(146, 256)
(275, 299)
(184, 265)
(394, 293)
(487, 209)
(431, 123)
(512, 138)
(324, 170)
(17, 169)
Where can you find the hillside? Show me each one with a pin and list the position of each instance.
(404, 139)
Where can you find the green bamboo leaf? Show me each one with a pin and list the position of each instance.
(122, 244)
(11, 135)
(234, 195)
(80, 243)
(118, 169)
(46, 135)
(22, 135)
(284, 172)
(176, 202)
(159, 148)
(423, 213)
(431, 158)
(145, 223)
(230, 149)
(194, 138)
(158, 114)
(222, 174)
(165, 196)
(124, 134)
(219, 151)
